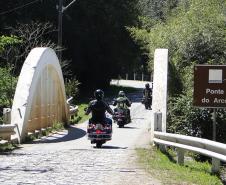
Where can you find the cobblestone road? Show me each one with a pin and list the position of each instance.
(68, 157)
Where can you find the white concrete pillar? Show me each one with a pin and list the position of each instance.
(160, 81)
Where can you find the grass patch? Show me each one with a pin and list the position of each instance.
(57, 126)
(163, 167)
(8, 147)
(81, 117)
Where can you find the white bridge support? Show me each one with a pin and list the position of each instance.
(40, 98)
(159, 101)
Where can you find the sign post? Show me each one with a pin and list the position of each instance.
(210, 88)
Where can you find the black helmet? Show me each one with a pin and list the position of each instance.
(99, 94)
(147, 85)
(121, 94)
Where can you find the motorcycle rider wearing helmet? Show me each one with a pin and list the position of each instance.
(123, 102)
(98, 108)
(147, 93)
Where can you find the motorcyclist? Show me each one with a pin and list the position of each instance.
(147, 94)
(123, 102)
(98, 108)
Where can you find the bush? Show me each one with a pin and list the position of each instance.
(185, 119)
(7, 88)
(71, 88)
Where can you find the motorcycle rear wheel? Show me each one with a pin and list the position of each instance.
(99, 144)
(120, 124)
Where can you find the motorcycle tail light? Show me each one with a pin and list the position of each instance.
(98, 132)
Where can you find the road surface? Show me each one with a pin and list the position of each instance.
(67, 157)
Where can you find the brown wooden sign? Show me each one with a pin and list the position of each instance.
(209, 86)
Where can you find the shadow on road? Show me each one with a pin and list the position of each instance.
(129, 127)
(73, 133)
(111, 147)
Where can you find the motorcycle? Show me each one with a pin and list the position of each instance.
(99, 133)
(121, 117)
(147, 101)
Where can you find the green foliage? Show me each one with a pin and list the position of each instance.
(195, 33)
(163, 167)
(7, 87)
(71, 87)
(6, 40)
(81, 117)
(185, 119)
(8, 147)
(57, 126)
(157, 9)
(94, 33)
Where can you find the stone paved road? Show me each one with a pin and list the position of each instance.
(68, 157)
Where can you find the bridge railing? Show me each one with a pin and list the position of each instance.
(72, 109)
(182, 143)
(136, 76)
(6, 131)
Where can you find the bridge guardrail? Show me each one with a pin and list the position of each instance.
(205, 147)
(72, 109)
(6, 131)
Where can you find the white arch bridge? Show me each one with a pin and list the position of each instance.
(39, 99)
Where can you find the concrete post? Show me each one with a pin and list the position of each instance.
(158, 121)
(180, 156)
(162, 148)
(215, 165)
(6, 115)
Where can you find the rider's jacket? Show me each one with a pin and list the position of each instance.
(98, 109)
(122, 102)
(147, 92)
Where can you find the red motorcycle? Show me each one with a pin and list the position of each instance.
(99, 133)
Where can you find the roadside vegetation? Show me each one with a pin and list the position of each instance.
(163, 167)
(195, 33)
(7, 147)
(57, 126)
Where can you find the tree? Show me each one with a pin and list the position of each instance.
(94, 34)
(7, 80)
(195, 33)
(98, 41)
